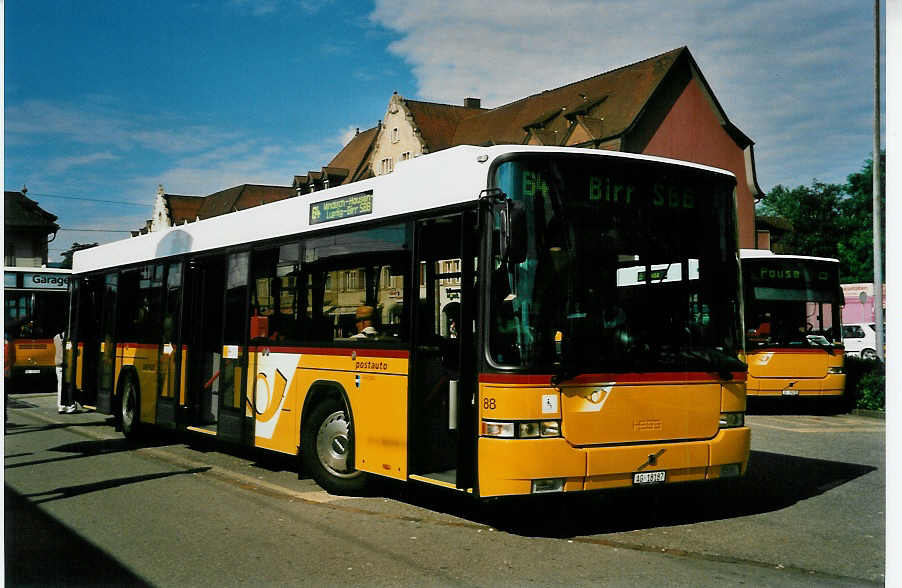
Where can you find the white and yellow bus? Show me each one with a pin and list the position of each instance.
(500, 320)
(34, 299)
(793, 325)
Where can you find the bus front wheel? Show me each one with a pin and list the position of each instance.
(327, 449)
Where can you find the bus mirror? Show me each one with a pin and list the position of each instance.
(512, 221)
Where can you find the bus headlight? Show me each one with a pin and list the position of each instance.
(498, 429)
(547, 485)
(528, 429)
(551, 428)
(521, 429)
(730, 420)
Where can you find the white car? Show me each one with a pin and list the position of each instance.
(860, 340)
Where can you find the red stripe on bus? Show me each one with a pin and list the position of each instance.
(624, 378)
(394, 353)
(790, 350)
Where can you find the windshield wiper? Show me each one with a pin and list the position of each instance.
(719, 360)
(816, 340)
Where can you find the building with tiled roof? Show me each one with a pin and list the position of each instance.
(659, 106)
(26, 227)
(175, 209)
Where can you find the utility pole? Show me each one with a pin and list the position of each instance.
(878, 208)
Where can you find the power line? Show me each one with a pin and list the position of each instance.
(94, 230)
(89, 199)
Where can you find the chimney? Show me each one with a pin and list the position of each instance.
(472, 102)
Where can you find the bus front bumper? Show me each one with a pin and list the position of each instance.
(524, 466)
(35, 372)
(829, 385)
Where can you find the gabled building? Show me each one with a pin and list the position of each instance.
(351, 164)
(660, 106)
(174, 209)
(26, 227)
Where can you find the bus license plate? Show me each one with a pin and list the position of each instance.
(649, 477)
(790, 392)
(32, 371)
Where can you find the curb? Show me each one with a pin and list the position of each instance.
(874, 414)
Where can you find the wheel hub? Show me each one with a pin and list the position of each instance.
(332, 444)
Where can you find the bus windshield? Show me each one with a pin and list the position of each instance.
(631, 266)
(792, 302)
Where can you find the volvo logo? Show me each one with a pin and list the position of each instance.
(652, 460)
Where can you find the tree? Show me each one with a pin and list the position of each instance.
(856, 247)
(813, 212)
(76, 246)
(830, 220)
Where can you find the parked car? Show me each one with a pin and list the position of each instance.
(860, 340)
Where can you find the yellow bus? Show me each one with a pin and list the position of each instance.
(504, 320)
(35, 301)
(793, 325)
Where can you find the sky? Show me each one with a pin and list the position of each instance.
(104, 101)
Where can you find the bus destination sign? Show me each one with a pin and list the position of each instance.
(343, 207)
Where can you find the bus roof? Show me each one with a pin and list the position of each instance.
(453, 176)
(36, 270)
(767, 254)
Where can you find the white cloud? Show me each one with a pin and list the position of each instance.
(35, 120)
(345, 135)
(62, 164)
(802, 66)
(256, 7)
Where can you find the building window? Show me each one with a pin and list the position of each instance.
(387, 165)
(395, 135)
(10, 255)
(405, 156)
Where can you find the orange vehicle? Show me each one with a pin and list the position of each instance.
(793, 325)
(35, 301)
(504, 320)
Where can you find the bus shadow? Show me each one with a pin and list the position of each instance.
(40, 551)
(798, 406)
(774, 482)
(13, 428)
(82, 449)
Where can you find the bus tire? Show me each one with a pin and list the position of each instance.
(129, 402)
(327, 447)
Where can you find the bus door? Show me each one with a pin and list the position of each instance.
(236, 417)
(169, 375)
(442, 429)
(106, 364)
(85, 338)
(202, 342)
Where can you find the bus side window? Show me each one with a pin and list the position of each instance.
(355, 286)
(277, 314)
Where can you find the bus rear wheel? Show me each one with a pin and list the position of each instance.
(129, 415)
(327, 449)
